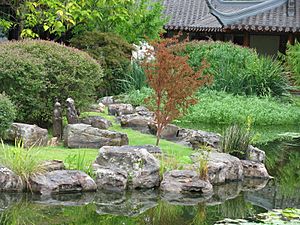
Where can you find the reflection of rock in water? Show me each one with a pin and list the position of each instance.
(74, 199)
(191, 198)
(254, 184)
(131, 203)
(270, 197)
(225, 192)
(232, 190)
(8, 199)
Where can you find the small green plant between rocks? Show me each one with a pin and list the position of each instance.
(24, 162)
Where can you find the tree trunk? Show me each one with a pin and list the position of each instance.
(157, 140)
(158, 132)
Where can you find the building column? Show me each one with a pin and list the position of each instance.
(246, 39)
(291, 39)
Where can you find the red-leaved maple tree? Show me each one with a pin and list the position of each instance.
(174, 82)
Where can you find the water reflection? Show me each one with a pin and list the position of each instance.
(283, 162)
(233, 200)
(150, 207)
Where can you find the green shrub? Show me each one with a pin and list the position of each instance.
(112, 52)
(7, 113)
(35, 73)
(236, 140)
(293, 61)
(224, 108)
(236, 69)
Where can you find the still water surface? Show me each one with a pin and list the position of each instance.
(233, 200)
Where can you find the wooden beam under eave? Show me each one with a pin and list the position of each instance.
(246, 39)
(291, 39)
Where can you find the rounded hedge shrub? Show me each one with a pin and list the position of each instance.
(35, 73)
(112, 52)
(7, 113)
(236, 69)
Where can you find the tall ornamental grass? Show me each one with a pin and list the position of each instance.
(236, 69)
(293, 61)
(23, 162)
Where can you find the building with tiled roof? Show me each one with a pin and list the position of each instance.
(266, 25)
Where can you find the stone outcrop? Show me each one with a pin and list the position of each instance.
(85, 136)
(223, 167)
(62, 181)
(169, 132)
(9, 181)
(108, 100)
(151, 149)
(143, 111)
(51, 165)
(254, 169)
(97, 121)
(136, 122)
(141, 167)
(31, 135)
(255, 154)
(100, 107)
(111, 179)
(120, 109)
(180, 181)
(198, 138)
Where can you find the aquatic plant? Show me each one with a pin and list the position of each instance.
(203, 164)
(236, 140)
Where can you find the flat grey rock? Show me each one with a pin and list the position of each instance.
(85, 136)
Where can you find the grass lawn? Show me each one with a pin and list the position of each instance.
(175, 154)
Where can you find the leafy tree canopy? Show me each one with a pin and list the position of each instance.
(60, 19)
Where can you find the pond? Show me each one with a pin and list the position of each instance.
(232, 200)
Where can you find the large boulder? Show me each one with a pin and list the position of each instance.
(85, 136)
(198, 138)
(151, 149)
(108, 100)
(111, 179)
(51, 165)
(100, 108)
(254, 169)
(223, 167)
(255, 154)
(143, 111)
(120, 109)
(169, 132)
(96, 121)
(136, 122)
(181, 181)
(62, 181)
(9, 181)
(141, 167)
(31, 135)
